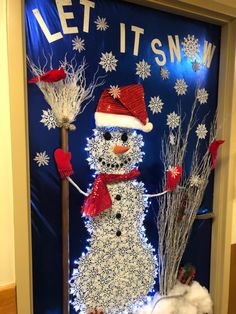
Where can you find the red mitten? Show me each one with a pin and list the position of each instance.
(213, 148)
(173, 177)
(63, 163)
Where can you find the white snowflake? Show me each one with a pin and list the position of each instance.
(202, 95)
(196, 66)
(101, 24)
(173, 120)
(48, 119)
(174, 171)
(201, 131)
(78, 44)
(42, 159)
(164, 73)
(114, 91)
(143, 69)
(191, 47)
(172, 139)
(180, 87)
(108, 62)
(155, 104)
(195, 180)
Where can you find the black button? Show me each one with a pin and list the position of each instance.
(107, 136)
(118, 233)
(118, 197)
(118, 215)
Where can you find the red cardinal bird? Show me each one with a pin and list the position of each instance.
(213, 149)
(50, 76)
(173, 177)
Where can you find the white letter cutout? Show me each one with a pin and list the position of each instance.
(138, 31)
(87, 5)
(50, 37)
(158, 52)
(65, 16)
(174, 48)
(208, 53)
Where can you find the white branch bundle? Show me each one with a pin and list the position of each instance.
(178, 209)
(69, 97)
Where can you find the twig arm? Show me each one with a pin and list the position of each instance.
(76, 186)
(156, 195)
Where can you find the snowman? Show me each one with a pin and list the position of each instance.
(118, 271)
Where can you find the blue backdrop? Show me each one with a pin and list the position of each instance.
(45, 137)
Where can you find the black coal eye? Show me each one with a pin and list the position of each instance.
(124, 137)
(107, 136)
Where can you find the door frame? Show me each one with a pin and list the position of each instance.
(209, 11)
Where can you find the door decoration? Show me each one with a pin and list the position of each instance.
(139, 89)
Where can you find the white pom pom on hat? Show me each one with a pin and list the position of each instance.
(127, 111)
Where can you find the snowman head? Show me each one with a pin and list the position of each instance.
(116, 146)
(114, 150)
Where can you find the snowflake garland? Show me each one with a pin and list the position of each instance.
(42, 159)
(101, 24)
(108, 62)
(49, 119)
(173, 120)
(143, 69)
(201, 131)
(114, 91)
(180, 87)
(155, 104)
(191, 47)
(202, 95)
(164, 73)
(78, 44)
(195, 181)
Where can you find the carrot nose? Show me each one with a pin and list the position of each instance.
(120, 149)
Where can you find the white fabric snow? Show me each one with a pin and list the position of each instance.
(193, 299)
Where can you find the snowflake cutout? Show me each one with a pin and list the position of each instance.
(196, 66)
(78, 44)
(165, 73)
(174, 171)
(201, 131)
(101, 24)
(114, 91)
(48, 119)
(202, 95)
(172, 139)
(143, 69)
(195, 180)
(42, 159)
(108, 62)
(173, 120)
(180, 87)
(191, 47)
(155, 104)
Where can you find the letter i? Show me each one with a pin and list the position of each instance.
(122, 37)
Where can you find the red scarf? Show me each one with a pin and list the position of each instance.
(99, 199)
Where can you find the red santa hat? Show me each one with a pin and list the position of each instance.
(123, 107)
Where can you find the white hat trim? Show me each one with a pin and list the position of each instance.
(119, 120)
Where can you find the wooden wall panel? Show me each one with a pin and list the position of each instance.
(8, 299)
(232, 286)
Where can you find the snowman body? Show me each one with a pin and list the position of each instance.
(119, 268)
